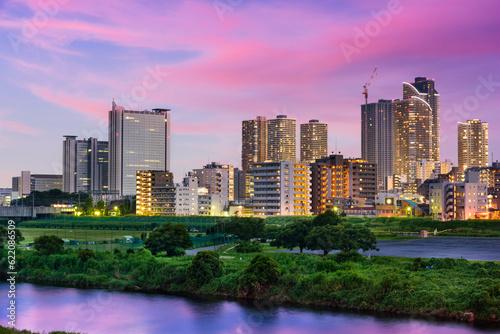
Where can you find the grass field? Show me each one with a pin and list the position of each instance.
(81, 235)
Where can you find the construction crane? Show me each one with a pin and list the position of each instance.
(365, 87)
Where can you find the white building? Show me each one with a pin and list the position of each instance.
(457, 200)
(281, 188)
(218, 179)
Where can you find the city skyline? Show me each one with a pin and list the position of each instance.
(230, 68)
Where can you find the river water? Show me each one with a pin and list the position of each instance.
(46, 308)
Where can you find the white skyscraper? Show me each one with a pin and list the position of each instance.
(138, 140)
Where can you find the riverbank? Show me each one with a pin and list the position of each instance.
(449, 288)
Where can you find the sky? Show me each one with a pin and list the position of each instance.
(215, 63)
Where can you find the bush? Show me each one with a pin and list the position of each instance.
(130, 251)
(117, 251)
(352, 256)
(261, 272)
(49, 244)
(86, 254)
(418, 264)
(249, 247)
(205, 267)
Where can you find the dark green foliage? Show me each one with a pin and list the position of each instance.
(116, 251)
(249, 247)
(130, 251)
(358, 237)
(11, 330)
(328, 217)
(261, 272)
(205, 267)
(167, 238)
(352, 256)
(144, 236)
(293, 235)
(88, 206)
(418, 264)
(5, 233)
(86, 254)
(49, 244)
(245, 228)
(325, 238)
(271, 232)
(49, 197)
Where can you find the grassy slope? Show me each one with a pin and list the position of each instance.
(451, 288)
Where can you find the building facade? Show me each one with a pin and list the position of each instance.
(337, 180)
(146, 181)
(281, 139)
(281, 188)
(459, 200)
(85, 165)
(377, 139)
(218, 179)
(313, 141)
(253, 142)
(138, 140)
(412, 132)
(472, 145)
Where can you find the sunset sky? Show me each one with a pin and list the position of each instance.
(216, 63)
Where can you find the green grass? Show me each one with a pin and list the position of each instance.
(80, 235)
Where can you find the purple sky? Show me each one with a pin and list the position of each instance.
(218, 62)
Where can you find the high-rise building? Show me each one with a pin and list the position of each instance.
(85, 165)
(253, 141)
(377, 139)
(281, 139)
(218, 179)
(426, 91)
(147, 181)
(472, 145)
(313, 141)
(412, 134)
(27, 183)
(138, 140)
(334, 177)
(281, 188)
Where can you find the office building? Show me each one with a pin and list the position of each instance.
(281, 139)
(472, 145)
(313, 141)
(253, 142)
(412, 132)
(85, 165)
(280, 188)
(5, 196)
(138, 140)
(23, 185)
(377, 139)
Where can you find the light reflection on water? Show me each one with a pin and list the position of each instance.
(46, 308)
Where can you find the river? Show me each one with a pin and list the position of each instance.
(46, 308)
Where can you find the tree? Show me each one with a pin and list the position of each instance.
(86, 254)
(262, 271)
(328, 217)
(101, 206)
(358, 237)
(293, 235)
(49, 244)
(245, 228)
(88, 206)
(167, 238)
(325, 238)
(4, 235)
(205, 267)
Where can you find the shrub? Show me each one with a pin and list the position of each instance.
(262, 271)
(130, 251)
(177, 251)
(49, 244)
(205, 267)
(249, 247)
(86, 254)
(117, 251)
(351, 256)
(417, 264)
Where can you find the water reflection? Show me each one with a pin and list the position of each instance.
(99, 311)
